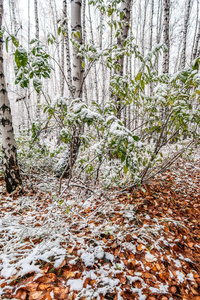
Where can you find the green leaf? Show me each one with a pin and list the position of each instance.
(37, 85)
(136, 138)
(7, 39)
(83, 64)
(78, 34)
(121, 15)
(125, 169)
(21, 57)
(198, 92)
(15, 41)
(59, 30)
(32, 41)
(138, 76)
(2, 31)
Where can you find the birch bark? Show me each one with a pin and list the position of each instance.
(67, 47)
(126, 8)
(37, 32)
(77, 70)
(77, 77)
(166, 4)
(95, 67)
(185, 31)
(10, 166)
(195, 52)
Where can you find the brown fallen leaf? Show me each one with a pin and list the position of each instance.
(37, 295)
(48, 278)
(32, 286)
(140, 247)
(148, 275)
(68, 274)
(61, 293)
(173, 289)
(21, 294)
(122, 280)
(194, 291)
(45, 286)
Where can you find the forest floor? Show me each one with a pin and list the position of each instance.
(103, 244)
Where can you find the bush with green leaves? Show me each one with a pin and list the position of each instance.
(35, 152)
(32, 65)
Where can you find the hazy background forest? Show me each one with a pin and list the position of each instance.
(146, 28)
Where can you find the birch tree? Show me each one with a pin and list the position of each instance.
(185, 31)
(10, 166)
(67, 46)
(77, 82)
(76, 27)
(95, 67)
(166, 6)
(195, 52)
(125, 7)
(36, 20)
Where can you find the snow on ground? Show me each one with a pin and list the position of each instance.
(102, 242)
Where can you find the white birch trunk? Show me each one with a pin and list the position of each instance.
(102, 61)
(77, 70)
(166, 4)
(95, 67)
(67, 47)
(37, 32)
(84, 43)
(185, 31)
(126, 8)
(11, 170)
(195, 52)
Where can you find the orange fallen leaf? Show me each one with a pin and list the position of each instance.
(37, 295)
(68, 274)
(45, 286)
(48, 278)
(114, 245)
(140, 247)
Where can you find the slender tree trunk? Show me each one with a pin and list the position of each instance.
(84, 43)
(37, 36)
(37, 32)
(151, 38)
(185, 31)
(77, 71)
(130, 60)
(14, 16)
(95, 68)
(178, 56)
(55, 25)
(77, 77)
(159, 29)
(28, 98)
(144, 25)
(67, 47)
(111, 54)
(11, 170)
(196, 37)
(62, 79)
(102, 61)
(151, 26)
(126, 8)
(166, 4)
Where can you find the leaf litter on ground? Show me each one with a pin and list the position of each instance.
(140, 244)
